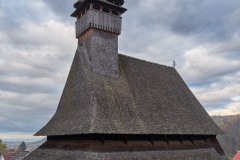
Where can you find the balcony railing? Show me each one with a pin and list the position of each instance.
(98, 19)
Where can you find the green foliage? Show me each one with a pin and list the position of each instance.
(22, 146)
(3, 147)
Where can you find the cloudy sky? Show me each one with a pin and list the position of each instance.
(37, 45)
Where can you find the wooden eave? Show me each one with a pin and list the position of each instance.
(80, 5)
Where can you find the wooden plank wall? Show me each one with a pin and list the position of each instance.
(98, 19)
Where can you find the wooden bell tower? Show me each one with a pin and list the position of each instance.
(97, 28)
(99, 14)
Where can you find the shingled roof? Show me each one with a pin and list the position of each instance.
(54, 154)
(146, 98)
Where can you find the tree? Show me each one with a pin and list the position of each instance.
(22, 146)
(3, 146)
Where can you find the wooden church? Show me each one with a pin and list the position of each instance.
(115, 107)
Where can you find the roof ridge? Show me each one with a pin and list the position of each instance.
(145, 61)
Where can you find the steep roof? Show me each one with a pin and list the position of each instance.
(55, 154)
(146, 98)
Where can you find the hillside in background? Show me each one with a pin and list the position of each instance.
(30, 145)
(230, 142)
(36, 144)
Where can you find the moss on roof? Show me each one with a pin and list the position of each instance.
(146, 98)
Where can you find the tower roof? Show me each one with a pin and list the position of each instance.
(80, 4)
(115, 2)
(147, 98)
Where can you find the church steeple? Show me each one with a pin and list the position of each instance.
(97, 28)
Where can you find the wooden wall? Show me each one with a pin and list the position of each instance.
(98, 19)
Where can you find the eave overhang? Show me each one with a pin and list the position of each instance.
(81, 5)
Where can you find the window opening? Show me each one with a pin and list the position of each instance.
(115, 13)
(97, 7)
(106, 10)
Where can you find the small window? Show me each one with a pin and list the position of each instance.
(97, 7)
(106, 10)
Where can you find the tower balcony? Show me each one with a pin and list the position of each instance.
(99, 19)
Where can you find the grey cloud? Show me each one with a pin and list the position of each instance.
(25, 112)
(204, 21)
(216, 105)
(62, 8)
(28, 87)
(219, 93)
(16, 13)
(24, 121)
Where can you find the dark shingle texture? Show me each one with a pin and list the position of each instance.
(146, 98)
(201, 154)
